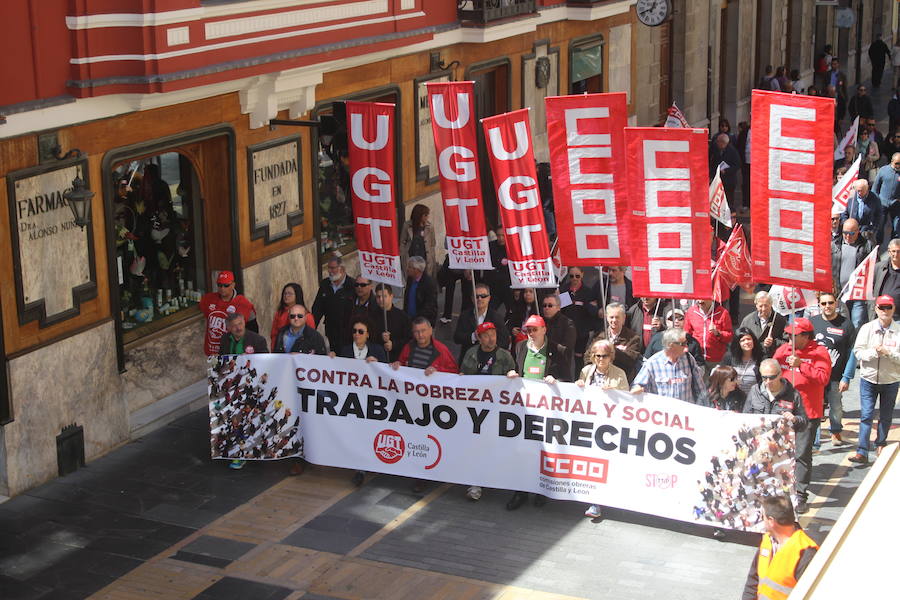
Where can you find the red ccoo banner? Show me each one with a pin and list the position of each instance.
(515, 180)
(669, 212)
(371, 151)
(456, 147)
(791, 158)
(587, 159)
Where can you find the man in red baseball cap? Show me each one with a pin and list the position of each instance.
(877, 349)
(808, 368)
(216, 306)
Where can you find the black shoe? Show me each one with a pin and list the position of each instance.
(802, 507)
(517, 500)
(539, 500)
(358, 477)
(719, 534)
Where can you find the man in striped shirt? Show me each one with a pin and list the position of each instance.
(672, 372)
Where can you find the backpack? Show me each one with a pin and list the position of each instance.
(417, 246)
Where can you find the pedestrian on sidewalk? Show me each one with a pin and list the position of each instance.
(837, 334)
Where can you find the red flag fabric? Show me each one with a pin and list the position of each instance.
(587, 160)
(676, 118)
(843, 189)
(733, 266)
(456, 147)
(511, 154)
(371, 152)
(862, 280)
(790, 189)
(668, 212)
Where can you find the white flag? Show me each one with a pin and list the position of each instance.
(786, 300)
(718, 203)
(676, 118)
(859, 287)
(843, 189)
(849, 139)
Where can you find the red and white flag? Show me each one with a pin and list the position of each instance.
(371, 152)
(456, 147)
(718, 202)
(861, 283)
(849, 139)
(676, 118)
(786, 300)
(733, 265)
(843, 189)
(587, 160)
(668, 212)
(790, 185)
(508, 138)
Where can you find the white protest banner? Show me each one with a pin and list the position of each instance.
(849, 139)
(641, 452)
(861, 283)
(843, 189)
(786, 300)
(718, 204)
(676, 118)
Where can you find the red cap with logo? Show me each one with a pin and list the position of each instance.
(225, 277)
(885, 299)
(534, 321)
(800, 325)
(487, 325)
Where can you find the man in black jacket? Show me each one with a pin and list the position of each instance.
(296, 337)
(394, 330)
(420, 299)
(239, 339)
(561, 331)
(469, 320)
(887, 275)
(645, 318)
(767, 325)
(333, 302)
(721, 151)
(846, 255)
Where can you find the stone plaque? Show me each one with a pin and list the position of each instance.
(275, 184)
(54, 259)
(426, 161)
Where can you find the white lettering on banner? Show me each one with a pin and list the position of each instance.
(381, 136)
(668, 240)
(380, 266)
(778, 248)
(799, 229)
(576, 155)
(464, 171)
(440, 111)
(498, 149)
(529, 196)
(375, 226)
(576, 138)
(524, 232)
(644, 453)
(381, 191)
(530, 273)
(462, 204)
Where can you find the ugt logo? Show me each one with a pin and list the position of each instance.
(389, 446)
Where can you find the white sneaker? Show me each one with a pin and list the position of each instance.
(474, 493)
(593, 511)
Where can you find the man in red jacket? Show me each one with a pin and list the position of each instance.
(425, 352)
(808, 368)
(710, 325)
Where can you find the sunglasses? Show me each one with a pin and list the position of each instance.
(224, 284)
(360, 331)
(849, 232)
(679, 343)
(826, 302)
(601, 356)
(295, 316)
(885, 306)
(770, 377)
(362, 284)
(482, 296)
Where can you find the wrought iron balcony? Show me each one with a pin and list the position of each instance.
(482, 12)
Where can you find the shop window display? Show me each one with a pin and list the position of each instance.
(158, 244)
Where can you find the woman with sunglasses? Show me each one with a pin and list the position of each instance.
(291, 294)
(724, 393)
(744, 355)
(601, 372)
(523, 307)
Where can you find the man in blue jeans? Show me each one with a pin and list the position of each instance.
(877, 348)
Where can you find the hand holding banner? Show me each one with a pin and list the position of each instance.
(455, 144)
(587, 159)
(515, 179)
(371, 153)
(668, 214)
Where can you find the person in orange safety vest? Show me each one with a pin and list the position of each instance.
(784, 553)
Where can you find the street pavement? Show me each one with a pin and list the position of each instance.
(158, 519)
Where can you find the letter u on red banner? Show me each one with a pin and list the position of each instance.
(456, 147)
(371, 151)
(668, 212)
(587, 160)
(508, 138)
(790, 187)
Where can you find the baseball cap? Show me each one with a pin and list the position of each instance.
(672, 313)
(225, 277)
(800, 325)
(484, 327)
(534, 321)
(885, 299)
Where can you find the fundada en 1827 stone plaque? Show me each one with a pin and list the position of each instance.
(54, 261)
(275, 180)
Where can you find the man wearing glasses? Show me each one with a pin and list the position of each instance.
(465, 334)
(846, 255)
(216, 306)
(672, 372)
(364, 306)
(561, 331)
(887, 275)
(296, 337)
(878, 350)
(809, 369)
(837, 334)
(776, 395)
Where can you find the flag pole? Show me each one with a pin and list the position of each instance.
(602, 295)
(475, 298)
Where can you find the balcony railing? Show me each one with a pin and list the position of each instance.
(484, 11)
